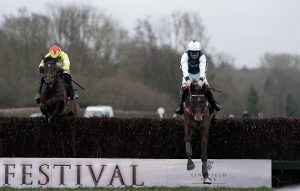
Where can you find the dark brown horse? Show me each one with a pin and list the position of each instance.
(54, 98)
(197, 119)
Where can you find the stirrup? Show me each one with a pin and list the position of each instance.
(179, 110)
(75, 96)
(37, 98)
(218, 107)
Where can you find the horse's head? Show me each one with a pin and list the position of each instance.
(51, 71)
(197, 103)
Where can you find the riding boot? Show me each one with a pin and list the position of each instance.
(212, 101)
(179, 109)
(72, 92)
(38, 98)
(38, 95)
(70, 89)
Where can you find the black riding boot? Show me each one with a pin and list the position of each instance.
(72, 92)
(179, 109)
(212, 101)
(68, 83)
(38, 95)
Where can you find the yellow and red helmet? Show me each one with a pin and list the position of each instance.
(54, 51)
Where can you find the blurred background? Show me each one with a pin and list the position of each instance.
(127, 53)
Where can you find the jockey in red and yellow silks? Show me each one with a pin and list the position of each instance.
(62, 59)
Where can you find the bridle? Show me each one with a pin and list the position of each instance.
(49, 75)
(188, 109)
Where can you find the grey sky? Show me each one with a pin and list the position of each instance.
(244, 29)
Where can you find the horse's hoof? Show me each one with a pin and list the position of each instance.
(206, 181)
(190, 165)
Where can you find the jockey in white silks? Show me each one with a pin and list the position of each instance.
(194, 67)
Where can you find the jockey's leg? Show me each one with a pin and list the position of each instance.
(212, 101)
(70, 89)
(38, 95)
(182, 97)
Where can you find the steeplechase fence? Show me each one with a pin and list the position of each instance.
(270, 138)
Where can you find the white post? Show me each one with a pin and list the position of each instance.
(161, 112)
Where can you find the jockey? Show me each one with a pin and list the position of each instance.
(194, 66)
(61, 57)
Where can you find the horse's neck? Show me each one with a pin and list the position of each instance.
(60, 84)
(58, 87)
(187, 99)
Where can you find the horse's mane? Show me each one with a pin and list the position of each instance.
(195, 88)
(49, 60)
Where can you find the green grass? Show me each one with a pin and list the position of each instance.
(140, 189)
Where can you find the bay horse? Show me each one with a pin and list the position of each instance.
(197, 118)
(54, 96)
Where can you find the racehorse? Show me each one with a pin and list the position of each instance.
(54, 97)
(197, 118)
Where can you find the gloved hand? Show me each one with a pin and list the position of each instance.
(200, 83)
(60, 71)
(58, 64)
(42, 69)
(188, 82)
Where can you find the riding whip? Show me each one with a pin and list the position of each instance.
(74, 82)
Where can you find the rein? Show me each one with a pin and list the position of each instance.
(188, 110)
(53, 81)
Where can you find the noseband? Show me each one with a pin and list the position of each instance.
(49, 75)
(188, 109)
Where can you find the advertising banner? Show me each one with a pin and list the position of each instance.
(103, 172)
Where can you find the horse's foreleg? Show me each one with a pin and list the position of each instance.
(204, 142)
(60, 106)
(75, 108)
(44, 110)
(188, 148)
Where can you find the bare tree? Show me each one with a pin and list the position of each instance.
(160, 44)
(23, 38)
(280, 61)
(179, 28)
(26, 34)
(282, 80)
(94, 35)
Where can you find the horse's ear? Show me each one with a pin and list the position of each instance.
(48, 60)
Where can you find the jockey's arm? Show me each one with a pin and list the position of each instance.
(184, 65)
(41, 64)
(65, 62)
(203, 67)
(64, 59)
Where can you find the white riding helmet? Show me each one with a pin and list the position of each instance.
(194, 45)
